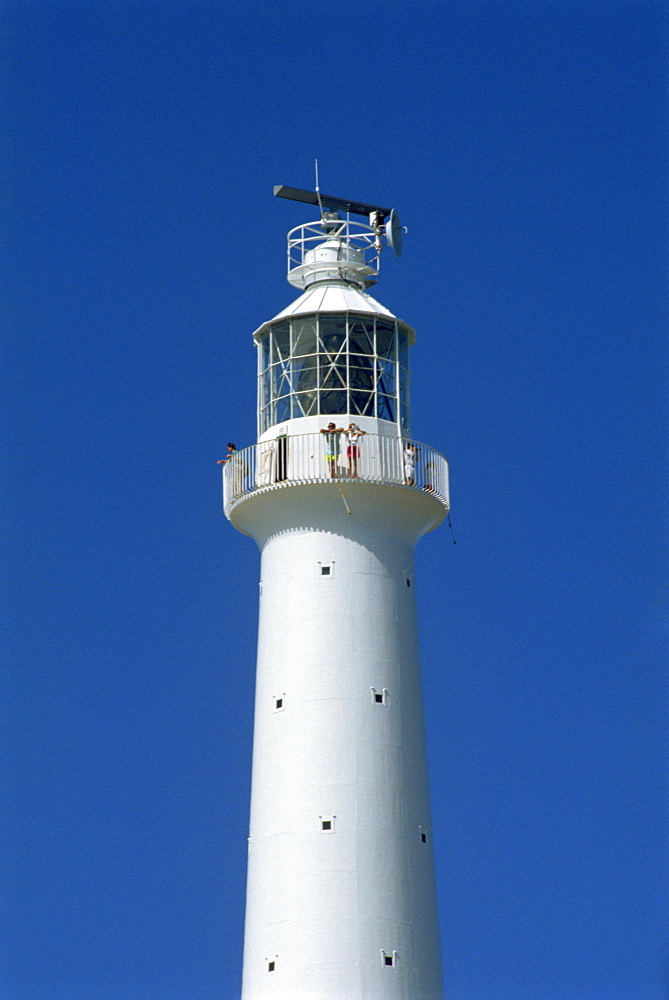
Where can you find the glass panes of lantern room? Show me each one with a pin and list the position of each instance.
(334, 364)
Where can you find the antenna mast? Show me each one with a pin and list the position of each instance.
(318, 190)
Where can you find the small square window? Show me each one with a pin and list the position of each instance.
(271, 966)
(423, 836)
(408, 581)
(379, 697)
(278, 703)
(326, 824)
(388, 959)
(326, 570)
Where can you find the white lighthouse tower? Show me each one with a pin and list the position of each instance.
(341, 901)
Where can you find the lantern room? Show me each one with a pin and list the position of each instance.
(334, 364)
(335, 352)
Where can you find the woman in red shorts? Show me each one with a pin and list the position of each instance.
(353, 435)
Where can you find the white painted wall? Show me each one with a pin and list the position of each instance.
(324, 906)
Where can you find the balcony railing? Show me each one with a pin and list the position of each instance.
(304, 458)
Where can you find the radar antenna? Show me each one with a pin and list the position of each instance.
(384, 221)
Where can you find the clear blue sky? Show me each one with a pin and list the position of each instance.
(525, 148)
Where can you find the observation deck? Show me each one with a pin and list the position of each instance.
(302, 459)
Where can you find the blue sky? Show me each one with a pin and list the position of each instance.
(525, 148)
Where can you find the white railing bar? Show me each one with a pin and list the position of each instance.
(302, 458)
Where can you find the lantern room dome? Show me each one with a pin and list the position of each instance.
(333, 297)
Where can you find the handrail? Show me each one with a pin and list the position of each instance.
(303, 458)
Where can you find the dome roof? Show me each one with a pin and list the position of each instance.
(332, 297)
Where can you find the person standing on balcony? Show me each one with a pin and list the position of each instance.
(353, 435)
(332, 446)
(232, 448)
(238, 469)
(410, 453)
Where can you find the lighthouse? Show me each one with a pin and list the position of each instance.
(336, 492)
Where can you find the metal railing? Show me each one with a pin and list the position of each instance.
(307, 458)
(338, 250)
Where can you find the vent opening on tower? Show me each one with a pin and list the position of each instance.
(327, 823)
(389, 958)
(379, 697)
(278, 703)
(271, 966)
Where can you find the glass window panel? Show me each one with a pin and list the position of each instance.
(333, 402)
(265, 388)
(362, 402)
(333, 376)
(385, 376)
(386, 407)
(385, 338)
(362, 322)
(281, 341)
(304, 337)
(404, 416)
(264, 351)
(361, 336)
(333, 348)
(282, 409)
(296, 409)
(361, 378)
(305, 374)
(403, 345)
(332, 333)
(386, 385)
(304, 403)
(281, 380)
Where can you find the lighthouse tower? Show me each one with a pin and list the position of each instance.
(341, 901)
